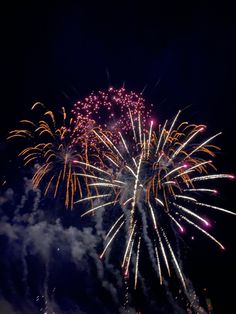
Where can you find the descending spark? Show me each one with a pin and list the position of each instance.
(217, 208)
(185, 143)
(169, 182)
(160, 138)
(191, 213)
(203, 144)
(200, 190)
(128, 245)
(91, 176)
(97, 207)
(92, 197)
(159, 201)
(111, 239)
(129, 257)
(135, 191)
(176, 222)
(109, 158)
(132, 123)
(163, 252)
(204, 231)
(136, 264)
(113, 146)
(158, 265)
(101, 139)
(90, 166)
(153, 216)
(124, 143)
(186, 197)
(149, 137)
(212, 177)
(169, 131)
(128, 200)
(198, 165)
(174, 170)
(140, 129)
(113, 226)
(104, 184)
(131, 170)
(174, 259)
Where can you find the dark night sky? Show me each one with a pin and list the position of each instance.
(57, 53)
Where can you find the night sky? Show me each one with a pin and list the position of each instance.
(180, 54)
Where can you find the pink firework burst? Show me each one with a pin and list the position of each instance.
(111, 109)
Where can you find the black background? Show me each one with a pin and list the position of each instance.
(183, 53)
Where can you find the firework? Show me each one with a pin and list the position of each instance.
(154, 181)
(115, 106)
(152, 178)
(52, 152)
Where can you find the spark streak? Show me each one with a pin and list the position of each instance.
(203, 231)
(136, 264)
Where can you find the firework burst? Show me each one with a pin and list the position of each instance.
(150, 179)
(52, 152)
(115, 107)
(153, 181)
